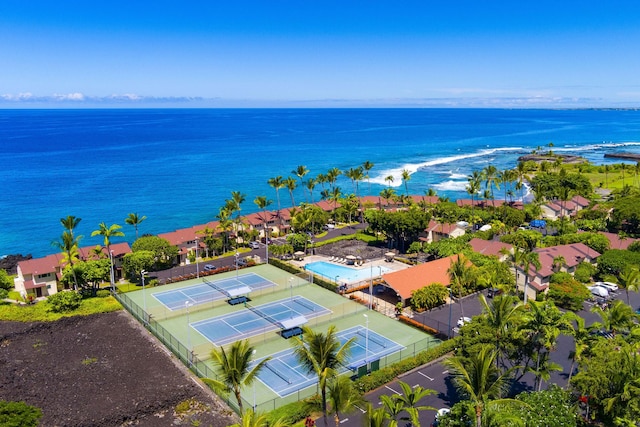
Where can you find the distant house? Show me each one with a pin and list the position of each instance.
(572, 255)
(40, 277)
(557, 209)
(618, 242)
(491, 247)
(482, 204)
(436, 231)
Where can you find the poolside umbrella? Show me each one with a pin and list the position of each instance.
(350, 257)
(298, 254)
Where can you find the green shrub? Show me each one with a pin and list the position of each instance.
(3, 293)
(19, 414)
(388, 373)
(569, 294)
(103, 293)
(64, 301)
(289, 414)
(429, 296)
(584, 272)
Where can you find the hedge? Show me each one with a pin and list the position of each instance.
(389, 373)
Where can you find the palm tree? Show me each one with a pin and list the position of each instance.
(342, 397)
(263, 203)
(392, 408)
(558, 263)
(323, 355)
(503, 313)
(291, 184)
(406, 176)
(367, 166)
(389, 180)
(134, 220)
(108, 232)
(478, 378)
(334, 196)
(233, 368)
(277, 183)
(68, 245)
(410, 398)
(310, 184)
(301, 171)
(630, 280)
(462, 276)
(377, 417)
(543, 323)
(225, 224)
(617, 317)
(387, 194)
(332, 176)
(472, 188)
(490, 175)
(526, 259)
(581, 336)
(69, 223)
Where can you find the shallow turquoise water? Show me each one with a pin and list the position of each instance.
(341, 273)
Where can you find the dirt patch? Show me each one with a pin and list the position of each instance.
(354, 247)
(101, 370)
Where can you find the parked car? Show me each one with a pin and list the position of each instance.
(599, 291)
(611, 287)
(254, 245)
(209, 267)
(493, 292)
(463, 321)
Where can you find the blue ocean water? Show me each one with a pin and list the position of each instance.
(178, 166)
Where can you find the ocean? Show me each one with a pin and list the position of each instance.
(178, 166)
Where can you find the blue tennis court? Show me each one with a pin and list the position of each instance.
(212, 290)
(281, 314)
(284, 375)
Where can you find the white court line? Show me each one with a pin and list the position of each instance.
(426, 376)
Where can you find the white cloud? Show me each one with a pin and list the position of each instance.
(76, 96)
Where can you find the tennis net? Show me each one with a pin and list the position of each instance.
(216, 287)
(263, 315)
(304, 304)
(372, 338)
(284, 378)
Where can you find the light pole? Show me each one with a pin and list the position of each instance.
(291, 288)
(254, 388)
(371, 287)
(112, 277)
(197, 265)
(237, 255)
(186, 305)
(144, 297)
(450, 304)
(366, 339)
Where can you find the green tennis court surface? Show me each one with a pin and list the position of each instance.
(209, 290)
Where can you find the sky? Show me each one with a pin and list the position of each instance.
(306, 53)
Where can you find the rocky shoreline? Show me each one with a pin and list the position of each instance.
(551, 158)
(624, 156)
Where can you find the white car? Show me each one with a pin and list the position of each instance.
(599, 291)
(254, 245)
(611, 287)
(463, 321)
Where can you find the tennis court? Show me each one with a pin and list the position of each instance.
(281, 314)
(209, 290)
(284, 375)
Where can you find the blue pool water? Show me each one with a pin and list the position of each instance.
(345, 274)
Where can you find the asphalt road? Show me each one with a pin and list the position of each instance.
(435, 376)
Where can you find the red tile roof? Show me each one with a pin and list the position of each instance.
(489, 247)
(406, 281)
(573, 255)
(440, 228)
(615, 242)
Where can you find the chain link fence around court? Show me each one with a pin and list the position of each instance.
(198, 359)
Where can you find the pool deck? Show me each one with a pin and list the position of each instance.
(395, 266)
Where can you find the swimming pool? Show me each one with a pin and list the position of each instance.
(345, 274)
